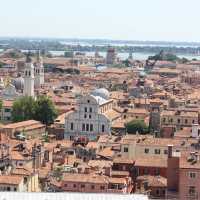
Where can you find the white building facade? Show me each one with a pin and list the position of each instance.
(29, 78)
(39, 72)
(90, 119)
(33, 75)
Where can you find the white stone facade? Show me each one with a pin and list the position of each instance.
(39, 74)
(89, 119)
(29, 79)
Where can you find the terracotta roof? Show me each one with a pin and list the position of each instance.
(106, 152)
(117, 180)
(22, 124)
(154, 181)
(151, 162)
(84, 178)
(10, 179)
(100, 163)
(21, 171)
(123, 160)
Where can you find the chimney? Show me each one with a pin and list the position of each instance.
(170, 149)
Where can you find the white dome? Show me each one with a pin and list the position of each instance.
(19, 83)
(102, 92)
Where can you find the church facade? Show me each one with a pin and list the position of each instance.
(90, 120)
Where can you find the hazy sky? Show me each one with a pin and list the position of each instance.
(174, 20)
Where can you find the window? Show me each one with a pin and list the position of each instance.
(145, 184)
(125, 149)
(25, 180)
(8, 188)
(88, 101)
(164, 119)
(165, 151)
(74, 185)
(15, 189)
(192, 190)
(102, 187)
(29, 73)
(146, 151)
(87, 127)
(6, 110)
(186, 121)
(85, 116)
(157, 151)
(157, 172)
(85, 109)
(192, 174)
(90, 116)
(82, 186)
(92, 187)
(83, 127)
(193, 121)
(157, 192)
(72, 126)
(90, 109)
(91, 127)
(179, 121)
(103, 128)
(171, 120)
(65, 185)
(146, 171)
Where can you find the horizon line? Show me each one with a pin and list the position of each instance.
(99, 39)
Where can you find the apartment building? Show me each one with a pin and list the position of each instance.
(179, 118)
(133, 146)
(93, 183)
(189, 174)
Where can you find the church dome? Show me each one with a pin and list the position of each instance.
(19, 83)
(142, 74)
(102, 92)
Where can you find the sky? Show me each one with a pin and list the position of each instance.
(155, 20)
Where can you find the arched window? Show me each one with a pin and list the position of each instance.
(103, 128)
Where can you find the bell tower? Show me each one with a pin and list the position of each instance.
(28, 77)
(39, 71)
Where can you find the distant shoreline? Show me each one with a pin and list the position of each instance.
(108, 41)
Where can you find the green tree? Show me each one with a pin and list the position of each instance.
(23, 109)
(45, 110)
(135, 126)
(26, 108)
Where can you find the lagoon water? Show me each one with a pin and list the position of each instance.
(124, 55)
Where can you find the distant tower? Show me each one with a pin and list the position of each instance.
(111, 56)
(39, 71)
(130, 55)
(155, 113)
(29, 77)
(96, 55)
